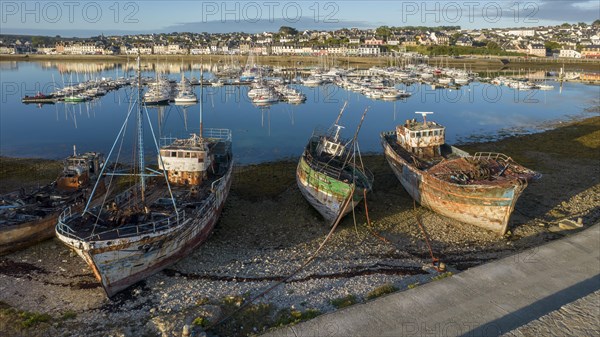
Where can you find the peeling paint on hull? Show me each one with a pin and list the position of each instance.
(485, 206)
(120, 263)
(324, 193)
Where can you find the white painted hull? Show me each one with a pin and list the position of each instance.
(119, 263)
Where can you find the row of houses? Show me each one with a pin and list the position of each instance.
(275, 49)
(587, 52)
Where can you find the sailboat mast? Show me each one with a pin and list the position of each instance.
(140, 131)
(201, 92)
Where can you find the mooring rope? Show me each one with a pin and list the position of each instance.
(299, 269)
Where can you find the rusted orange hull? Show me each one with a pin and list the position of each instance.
(487, 206)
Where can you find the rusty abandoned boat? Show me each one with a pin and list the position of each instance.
(480, 190)
(163, 217)
(328, 174)
(28, 218)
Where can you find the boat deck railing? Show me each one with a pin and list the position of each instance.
(123, 231)
(492, 155)
(210, 133)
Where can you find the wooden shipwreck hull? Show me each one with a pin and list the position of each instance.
(15, 237)
(325, 193)
(488, 204)
(125, 259)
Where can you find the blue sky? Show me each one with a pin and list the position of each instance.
(86, 18)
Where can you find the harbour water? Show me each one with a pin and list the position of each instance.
(279, 131)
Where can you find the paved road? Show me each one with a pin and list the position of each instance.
(487, 300)
(579, 318)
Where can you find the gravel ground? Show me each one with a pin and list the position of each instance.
(259, 241)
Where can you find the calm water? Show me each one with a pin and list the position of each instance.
(268, 133)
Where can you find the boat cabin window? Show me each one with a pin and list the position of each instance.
(435, 132)
(174, 154)
(418, 134)
(188, 155)
(179, 154)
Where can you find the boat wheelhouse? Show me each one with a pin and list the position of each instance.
(480, 190)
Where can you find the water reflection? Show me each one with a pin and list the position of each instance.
(266, 131)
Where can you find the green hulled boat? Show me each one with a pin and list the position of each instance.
(328, 173)
(76, 98)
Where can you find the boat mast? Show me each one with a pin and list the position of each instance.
(341, 112)
(335, 124)
(356, 135)
(140, 131)
(201, 91)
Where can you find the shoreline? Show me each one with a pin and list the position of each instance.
(493, 63)
(54, 163)
(273, 230)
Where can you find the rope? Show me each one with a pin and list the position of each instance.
(434, 261)
(295, 272)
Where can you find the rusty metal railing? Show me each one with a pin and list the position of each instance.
(492, 155)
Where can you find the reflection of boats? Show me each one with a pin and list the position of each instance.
(295, 98)
(545, 87)
(267, 98)
(480, 190)
(27, 218)
(393, 93)
(218, 83)
(162, 217)
(328, 175)
(76, 98)
(39, 98)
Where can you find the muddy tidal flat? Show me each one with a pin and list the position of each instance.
(268, 230)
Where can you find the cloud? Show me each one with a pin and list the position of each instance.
(568, 11)
(496, 13)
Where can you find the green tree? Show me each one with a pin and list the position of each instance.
(596, 23)
(551, 45)
(285, 30)
(491, 45)
(383, 31)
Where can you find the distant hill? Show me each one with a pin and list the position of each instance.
(36, 40)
